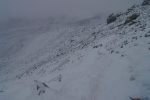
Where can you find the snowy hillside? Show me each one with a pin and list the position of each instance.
(91, 61)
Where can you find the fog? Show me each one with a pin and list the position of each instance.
(73, 8)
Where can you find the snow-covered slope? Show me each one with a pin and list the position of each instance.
(87, 62)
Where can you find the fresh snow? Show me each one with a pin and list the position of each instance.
(87, 62)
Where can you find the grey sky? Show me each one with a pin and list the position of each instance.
(80, 8)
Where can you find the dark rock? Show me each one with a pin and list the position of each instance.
(135, 38)
(45, 85)
(139, 98)
(95, 46)
(146, 2)
(93, 33)
(133, 22)
(125, 42)
(147, 35)
(132, 78)
(122, 55)
(111, 18)
(117, 52)
(72, 41)
(60, 78)
(121, 46)
(131, 9)
(132, 18)
(134, 98)
(112, 51)
(99, 45)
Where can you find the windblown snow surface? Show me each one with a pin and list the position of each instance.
(81, 62)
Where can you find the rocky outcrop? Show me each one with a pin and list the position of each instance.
(146, 2)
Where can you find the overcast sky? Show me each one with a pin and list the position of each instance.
(79, 8)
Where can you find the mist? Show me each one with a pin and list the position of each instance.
(72, 8)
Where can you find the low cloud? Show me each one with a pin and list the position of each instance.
(73, 8)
